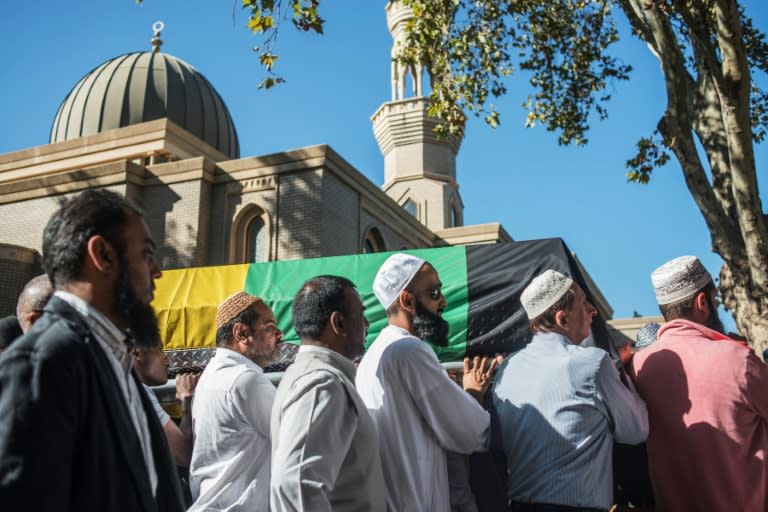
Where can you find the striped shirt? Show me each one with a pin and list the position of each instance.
(115, 345)
(560, 407)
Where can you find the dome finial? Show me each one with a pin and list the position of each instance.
(158, 27)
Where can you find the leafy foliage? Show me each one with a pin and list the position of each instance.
(264, 21)
(470, 48)
(708, 51)
(651, 153)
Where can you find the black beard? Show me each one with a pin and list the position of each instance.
(429, 326)
(140, 317)
(714, 322)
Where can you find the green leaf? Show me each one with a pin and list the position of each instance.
(267, 83)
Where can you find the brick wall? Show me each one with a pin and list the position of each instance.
(341, 207)
(172, 214)
(17, 266)
(300, 219)
(221, 215)
(23, 222)
(393, 240)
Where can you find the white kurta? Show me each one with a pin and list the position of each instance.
(230, 417)
(419, 413)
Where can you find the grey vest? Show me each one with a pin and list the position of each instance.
(360, 483)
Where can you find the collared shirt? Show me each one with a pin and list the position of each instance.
(318, 424)
(707, 400)
(114, 343)
(560, 407)
(230, 418)
(419, 413)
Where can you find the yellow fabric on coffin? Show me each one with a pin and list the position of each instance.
(186, 301)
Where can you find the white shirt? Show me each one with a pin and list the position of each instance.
(419, 413)
(113, 342)
(230, 419)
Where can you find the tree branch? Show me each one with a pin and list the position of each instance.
(634, 11)
(707, 110)
(677, 126)
(710, 130)
(735, 100)
(695, 17)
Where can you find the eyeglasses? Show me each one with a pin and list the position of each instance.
(435, 293)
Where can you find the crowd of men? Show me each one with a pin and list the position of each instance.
(81, 431)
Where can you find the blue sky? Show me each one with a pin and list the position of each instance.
(513, 175)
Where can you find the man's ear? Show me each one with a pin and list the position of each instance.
(101, 254)
(336, 321)
(32, 316)
(701, 302)
(239, 332)
(407, 301)
(561, 319)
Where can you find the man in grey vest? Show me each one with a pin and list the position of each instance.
(324, 445)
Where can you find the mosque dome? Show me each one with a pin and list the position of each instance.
(144, 86)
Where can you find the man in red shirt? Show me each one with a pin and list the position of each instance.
(707, 398)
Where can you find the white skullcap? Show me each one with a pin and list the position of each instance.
(545, 289)
(679, 279)
(394, 276)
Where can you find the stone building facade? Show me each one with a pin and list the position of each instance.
(205, 209)
(151, 127)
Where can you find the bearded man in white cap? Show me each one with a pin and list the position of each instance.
(707, 397)
(418, 410)
(561, 406)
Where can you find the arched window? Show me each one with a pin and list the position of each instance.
(250, 238)
(373, 242)
(254, 241)
(455, 216)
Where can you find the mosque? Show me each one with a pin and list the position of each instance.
(150, 126)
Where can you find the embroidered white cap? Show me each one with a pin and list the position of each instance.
(679, 279)
(394, 276)
(646, 335)
(543, 291)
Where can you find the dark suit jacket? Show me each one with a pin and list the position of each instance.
(66, 438)
(9, 331)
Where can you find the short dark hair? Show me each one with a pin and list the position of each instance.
(65, 238)
(546, 321)
(314, 303)
(224, 333)
(684, 308)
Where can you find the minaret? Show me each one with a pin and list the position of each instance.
(419, 168)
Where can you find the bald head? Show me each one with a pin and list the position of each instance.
(32, 300)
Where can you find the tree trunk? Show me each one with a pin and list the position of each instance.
(715, 107)
(748, 305)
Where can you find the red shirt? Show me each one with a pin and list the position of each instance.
(707, 398)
